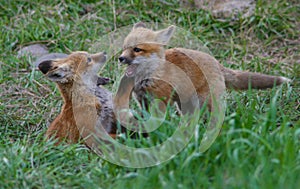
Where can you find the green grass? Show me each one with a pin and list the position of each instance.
(259, 146)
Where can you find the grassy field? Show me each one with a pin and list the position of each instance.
(259, 146)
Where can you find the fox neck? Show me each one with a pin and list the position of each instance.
(87, 80)
(149, 65)
(67, 89)
(74, 89)
(66, 92)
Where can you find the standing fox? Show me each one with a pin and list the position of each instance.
(76, 78)
(144, 52)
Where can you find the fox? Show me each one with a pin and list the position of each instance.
(76, 77)
(145, 55)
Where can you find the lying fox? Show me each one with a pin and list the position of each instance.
(143, 51)
(76, 77)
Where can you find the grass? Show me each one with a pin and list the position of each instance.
(259, 146)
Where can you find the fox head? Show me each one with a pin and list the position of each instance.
(78, 65)
(144, 46)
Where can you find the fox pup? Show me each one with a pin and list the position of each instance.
(144, 53)
(76, 78)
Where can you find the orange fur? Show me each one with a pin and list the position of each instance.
(64, 126)
(208, 76)
(73, 76)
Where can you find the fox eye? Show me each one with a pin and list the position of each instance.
(89, 59)
(137, 49)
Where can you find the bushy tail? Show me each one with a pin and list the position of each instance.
(242, 80)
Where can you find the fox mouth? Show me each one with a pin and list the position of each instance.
(131, 70)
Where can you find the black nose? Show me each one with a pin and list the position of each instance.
(122, 59)
(45, 66)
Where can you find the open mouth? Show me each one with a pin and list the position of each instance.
(131, 70)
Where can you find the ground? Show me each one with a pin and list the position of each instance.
(259, 146)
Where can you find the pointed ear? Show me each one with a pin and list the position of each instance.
(139, 25)
(57, 74)
(163, 36)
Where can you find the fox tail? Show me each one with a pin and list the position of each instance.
(242, 80)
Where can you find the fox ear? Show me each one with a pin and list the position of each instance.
(139, 25)
(53, 73)
(163, 36)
